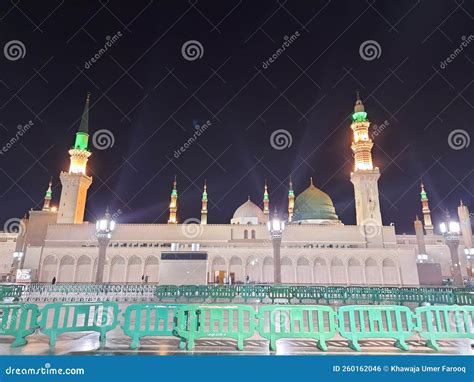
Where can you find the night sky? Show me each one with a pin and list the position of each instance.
(150, 98)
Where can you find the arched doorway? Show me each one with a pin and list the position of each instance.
(152, 269)
(83, 269)
(338, 271)
(117, 270)
(372, 272)
(236, 268)
(303, 271)
(134, 270)
(252, 269)
(356, 275)
(48, 271)
(66, 269)
(321, 274)
(218, 270)
(268, 270)
(287, 271)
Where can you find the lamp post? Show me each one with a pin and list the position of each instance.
(104, 228)
(276, 228)
(450, 230)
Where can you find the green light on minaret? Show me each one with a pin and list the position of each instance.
(360, 116)
(82, 135)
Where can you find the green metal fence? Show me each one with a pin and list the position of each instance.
(358, 322)
(215, 321)
(144, 320)
(241, 322)
(59, 318)
(19, 321)
(442, 322)
(297, 321)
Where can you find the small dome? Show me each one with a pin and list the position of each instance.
(248, 213)
(314, 206)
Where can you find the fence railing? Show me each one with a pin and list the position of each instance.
(237, 293)
(189, 322)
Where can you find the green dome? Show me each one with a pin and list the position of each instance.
(314, 204)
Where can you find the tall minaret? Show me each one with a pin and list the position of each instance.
(426, 211)
(266, 201)
(291, 202)
(173, 204)
(420, 237)
(465, 223)
(76, 182)
(48, 197)
(204, 205)
(365, 175)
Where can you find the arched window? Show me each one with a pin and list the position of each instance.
(253, 234)
(246, 234)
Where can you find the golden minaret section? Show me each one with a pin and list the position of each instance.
(291, 202)
(204, 204)
(173, 204)
(426, 210)
(361, 144)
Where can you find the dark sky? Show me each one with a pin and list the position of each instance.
(150, 98)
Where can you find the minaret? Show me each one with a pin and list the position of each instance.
(266, 201)
(173, 204)
(291, 202)
(204, 205)
(48, 197)
(365, 176)
(465, 223)
(76, 182)
(426, 211)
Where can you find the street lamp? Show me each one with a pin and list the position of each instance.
(104, 228)
(450, 230)
(276, 228)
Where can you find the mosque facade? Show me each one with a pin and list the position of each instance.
(317, 247)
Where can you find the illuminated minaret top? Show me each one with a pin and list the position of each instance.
(266, 201)
(79, 152)
(361, 144)
(173, 204)
(426, 210)
(48, 197)
(291, 202)
(204, 204)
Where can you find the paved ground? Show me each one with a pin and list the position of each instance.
(87, 343)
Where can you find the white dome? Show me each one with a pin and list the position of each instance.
(248, 213)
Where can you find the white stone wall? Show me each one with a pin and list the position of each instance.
(340, 266)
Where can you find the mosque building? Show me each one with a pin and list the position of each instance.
(316, 246)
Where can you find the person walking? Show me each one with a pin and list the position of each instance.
(53, 281)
